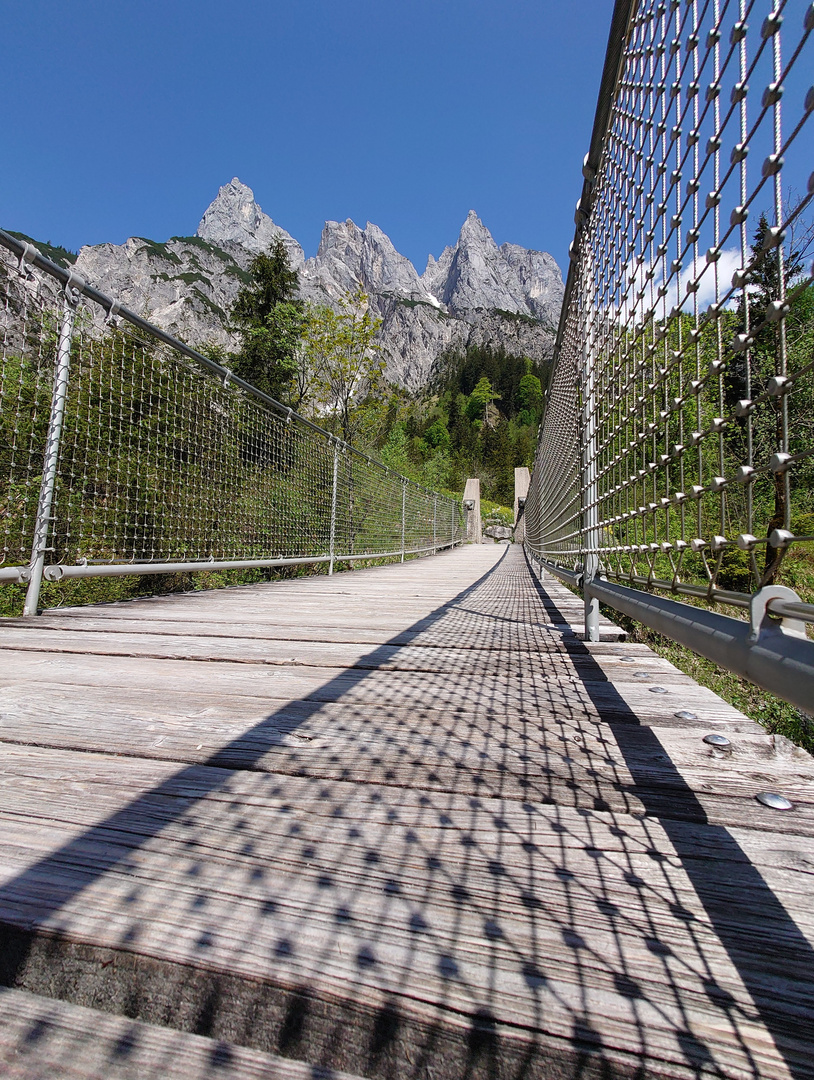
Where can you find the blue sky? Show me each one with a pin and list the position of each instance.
(124, 118)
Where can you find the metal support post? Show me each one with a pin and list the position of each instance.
(333, 510)
(403, 516)
(434, 519)
(589, 487)
(49, 471)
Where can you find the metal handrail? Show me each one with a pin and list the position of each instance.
(674, 453)
(113, 309)
(216, 448)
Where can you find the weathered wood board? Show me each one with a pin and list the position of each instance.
(402, 823)
(45, 1039)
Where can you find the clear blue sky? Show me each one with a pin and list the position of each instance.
(124, 118)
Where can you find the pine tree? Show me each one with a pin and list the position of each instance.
(271, 320)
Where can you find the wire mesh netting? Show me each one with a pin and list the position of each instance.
(677, 445)
(162, 460)
(29, 334)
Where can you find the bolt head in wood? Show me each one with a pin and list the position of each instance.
(720, 741)
(774, 801)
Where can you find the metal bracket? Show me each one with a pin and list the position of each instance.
(74, 287)
(28, 255)
(112, 312)
(758, 606)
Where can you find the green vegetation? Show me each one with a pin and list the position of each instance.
(208, 302)
(340, 366)
(271, 321)
(518, 317)
(190, 278)
(158, 251)
(478, 418)
(55, 252)
(204, 245)
(495, 514)
(409, 303)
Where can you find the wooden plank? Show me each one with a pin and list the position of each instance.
(45, 1039)
(413, 656)
(131, 849)
(566, 761)
(402, 809)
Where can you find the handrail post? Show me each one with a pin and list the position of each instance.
(332, 548)
(590, 558)
(49, 470)
(434, 519)
(403, 516)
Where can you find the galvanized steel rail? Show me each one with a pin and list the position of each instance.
(125, 451)
(676, 452)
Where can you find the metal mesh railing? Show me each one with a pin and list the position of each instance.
(124, 451)
(677, 447)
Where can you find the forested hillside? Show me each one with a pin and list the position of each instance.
(478, 415)
(478, 418)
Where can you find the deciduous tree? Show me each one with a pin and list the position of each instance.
(344, 361)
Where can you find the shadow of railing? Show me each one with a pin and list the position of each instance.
(761, 938)
(446, 888)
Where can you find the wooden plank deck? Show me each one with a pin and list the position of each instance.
(402, 823)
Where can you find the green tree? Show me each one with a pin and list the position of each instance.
(271, 319)
(530, 399)
(343, 357)
(477, 408)
(437, 435)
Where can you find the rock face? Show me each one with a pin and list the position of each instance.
(476, 273)
(474, 293)
(235, 218)
(498, 532)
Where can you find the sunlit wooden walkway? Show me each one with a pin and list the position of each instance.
(399, 823)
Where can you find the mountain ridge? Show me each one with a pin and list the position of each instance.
(475, 293)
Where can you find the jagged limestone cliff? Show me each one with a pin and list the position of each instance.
(475, 293)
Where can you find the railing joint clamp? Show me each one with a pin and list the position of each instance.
(27, 255)
(74, 287)
(759, 609)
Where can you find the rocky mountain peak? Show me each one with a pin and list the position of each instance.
(351, 258)
(475, 293)
(473, 231)
(234, 217)
(476, 274)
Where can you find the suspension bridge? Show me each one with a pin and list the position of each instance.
(433, 816)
